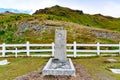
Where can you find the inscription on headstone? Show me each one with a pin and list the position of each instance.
(60, 45)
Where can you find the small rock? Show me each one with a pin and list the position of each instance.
(112, 60)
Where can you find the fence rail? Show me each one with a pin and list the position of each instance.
(75, 52)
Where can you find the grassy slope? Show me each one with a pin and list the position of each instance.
(95, 66)
(97, 20)
(9, 23)
(98, 69)
(19, 66)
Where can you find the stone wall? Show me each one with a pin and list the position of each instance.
(106, 34)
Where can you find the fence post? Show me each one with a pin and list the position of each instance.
(28, 48)
(98, 49)
(75, 49)
(53, 49)
(119, 48)
(3, 50)
(16, 52)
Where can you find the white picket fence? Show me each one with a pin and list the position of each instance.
(75, 51)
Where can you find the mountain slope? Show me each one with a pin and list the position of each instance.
(40, 27)
(77, 16)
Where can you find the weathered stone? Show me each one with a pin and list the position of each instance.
(60, 64)
(106, 34)
(63, 70)
(60, 45)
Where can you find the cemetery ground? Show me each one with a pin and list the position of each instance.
(93, 68)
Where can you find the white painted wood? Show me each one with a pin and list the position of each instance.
(79, 55)
(109, 45)
(0, 45)
(69, 44)
(87, 50)
(28, 48)
(70, 50)
(14, 45)
(53, 49)
(86, 44)
(40, 45)
(74, 50)
(98, 48)
(16, 52)
(3, 50)
(75, 47)
(109, 51)
(42, 50)
(119, 48)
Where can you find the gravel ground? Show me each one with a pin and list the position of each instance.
(81, 74)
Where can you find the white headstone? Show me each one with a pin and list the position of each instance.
(60, 45)
(60, 64)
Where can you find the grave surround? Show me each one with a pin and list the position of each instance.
(59, 71)
(60, 65)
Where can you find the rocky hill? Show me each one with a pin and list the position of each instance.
(59, 11)
(40, 27)
(77, 16)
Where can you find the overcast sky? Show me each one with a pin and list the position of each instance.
(105, 7)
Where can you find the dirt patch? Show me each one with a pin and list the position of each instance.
(81, 74)
(100, 75)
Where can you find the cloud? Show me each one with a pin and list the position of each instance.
(112, 8)
(26, 4)
(105, 7)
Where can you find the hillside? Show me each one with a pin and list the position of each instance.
(77, 16)
(40, 27)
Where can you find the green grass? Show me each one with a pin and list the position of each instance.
(97, 20)
(72, 21)
(31, 53)
(96, 66)
(20, 66)
(86, 52)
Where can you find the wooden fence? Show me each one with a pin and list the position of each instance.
(74, 51)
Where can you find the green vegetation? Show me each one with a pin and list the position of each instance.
(77, 24)
(77, 16)
(96, 66)
(20, 66)
(8, 27)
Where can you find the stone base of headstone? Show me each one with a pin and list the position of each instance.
(55, 67)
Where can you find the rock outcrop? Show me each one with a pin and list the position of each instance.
(55, 10)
